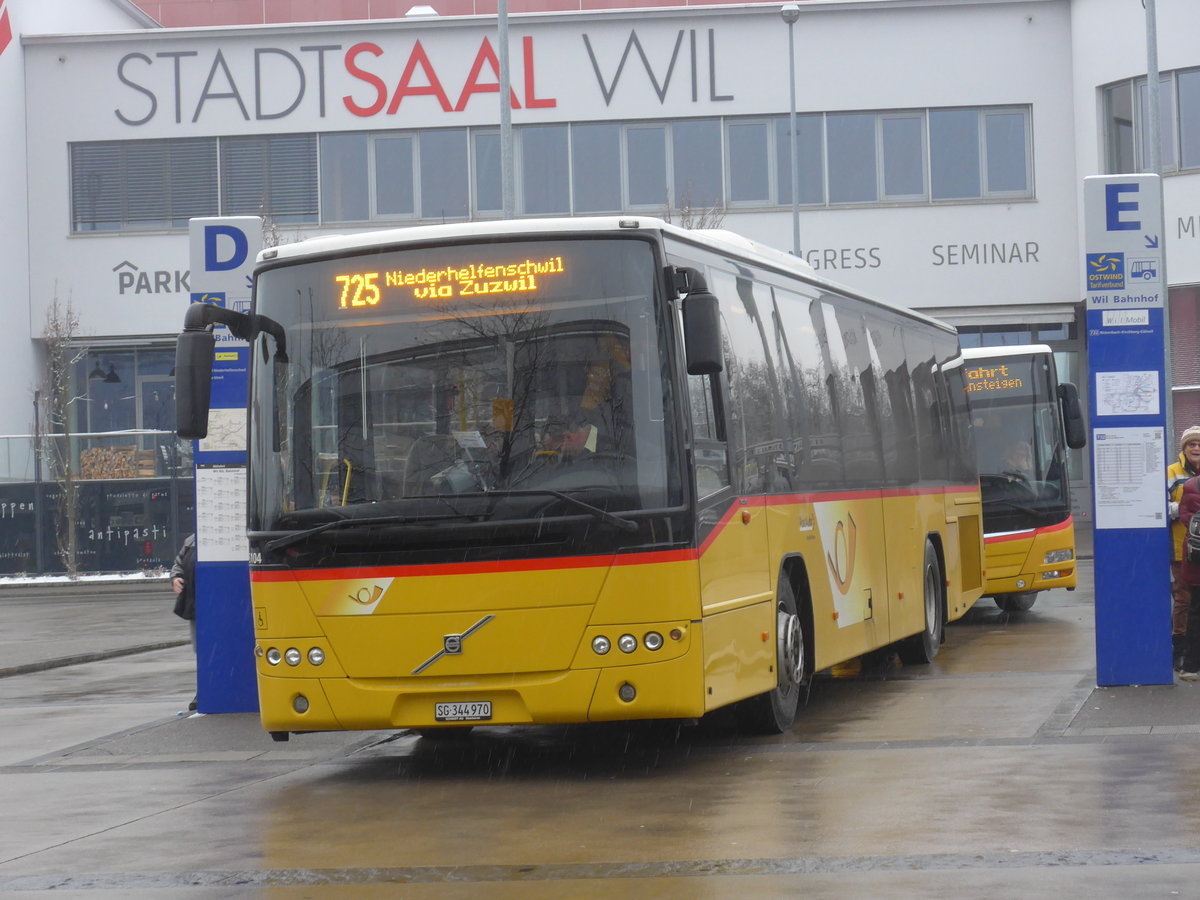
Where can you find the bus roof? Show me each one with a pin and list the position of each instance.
(1008, 350)
(718, 240)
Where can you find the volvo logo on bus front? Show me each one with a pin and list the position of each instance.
(452, 644)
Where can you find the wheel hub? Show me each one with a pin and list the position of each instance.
(790, 648)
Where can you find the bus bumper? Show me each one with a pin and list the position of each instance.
(668, 689)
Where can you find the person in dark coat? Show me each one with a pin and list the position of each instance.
(1189, 573)
(183, 583)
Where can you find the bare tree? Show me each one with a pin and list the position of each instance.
(693, 216)
(58, 398)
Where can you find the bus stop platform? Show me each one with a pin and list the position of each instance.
(1000, 770)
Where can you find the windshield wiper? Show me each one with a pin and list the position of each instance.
(295, 537)
(1012, 504)
(627, 525)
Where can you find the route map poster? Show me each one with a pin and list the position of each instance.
(1127, 394)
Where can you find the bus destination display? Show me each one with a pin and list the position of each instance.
(1004, 380)
(365, 289)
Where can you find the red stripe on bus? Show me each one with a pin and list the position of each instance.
(762, 500)
(479, 568)
(1068, 522)
(586, 562)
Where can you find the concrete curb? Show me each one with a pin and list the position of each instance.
(44, 664)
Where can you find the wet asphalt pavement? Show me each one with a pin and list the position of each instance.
(999, 771)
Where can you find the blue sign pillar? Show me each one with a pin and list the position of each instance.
(1126, 302)
(223, 251)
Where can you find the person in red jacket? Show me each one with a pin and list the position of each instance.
(1189, 573)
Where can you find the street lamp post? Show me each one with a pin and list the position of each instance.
(790, 13)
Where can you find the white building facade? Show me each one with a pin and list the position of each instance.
(941, 147)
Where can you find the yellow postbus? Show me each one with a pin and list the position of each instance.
(580, 470)
(1024, 420)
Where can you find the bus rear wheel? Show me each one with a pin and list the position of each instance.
(775, 711)
(1019, 602)
(920, 649)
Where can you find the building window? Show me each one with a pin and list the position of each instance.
(445, 180)
(698, 172)
(646, 155)
(903, 143)
(749, 162)
(954, 153)
(393, 172)
(864, 157)
(345, 178)
(545, 175)
(142, 185)
(270, 175)
(1127, 123)
(489, 192)
(596, 167)
(852, 158)
(810, 161)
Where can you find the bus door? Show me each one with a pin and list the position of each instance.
(736, 588)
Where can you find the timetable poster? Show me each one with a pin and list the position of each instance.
(221, 513)
(1129, 473)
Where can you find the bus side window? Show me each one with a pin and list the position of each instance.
(855, 394)
(710, 454)
(932, 443)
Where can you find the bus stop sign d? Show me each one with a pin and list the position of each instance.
(223, 252)
(1125, 286)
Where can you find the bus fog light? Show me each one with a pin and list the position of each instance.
(300, 703)
(627, 692)
(601, 645)
(316, 656)
(1020, 582)
(274, 657)
(1054, 557)
(627, 643)
(292, 656)
(652, 640)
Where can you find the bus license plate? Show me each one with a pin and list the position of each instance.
(465, 711)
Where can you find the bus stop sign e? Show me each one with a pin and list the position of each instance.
(1125, 284)
(223, 251)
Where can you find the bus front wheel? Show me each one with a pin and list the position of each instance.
(775, 711)
(1020, 602)
(920, 649)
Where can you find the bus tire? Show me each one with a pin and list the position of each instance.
(775, 711)
(1019, 602)
(920, 649)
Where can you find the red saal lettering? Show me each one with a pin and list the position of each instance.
(428, 83)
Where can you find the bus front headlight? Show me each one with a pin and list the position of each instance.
(1054, 557)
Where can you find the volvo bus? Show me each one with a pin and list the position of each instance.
(582, 470)
(1024, 419)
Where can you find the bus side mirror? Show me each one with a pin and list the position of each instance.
(701, 323)
(193, 381)
(1072, 413)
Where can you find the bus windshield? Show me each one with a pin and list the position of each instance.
(506, 381)
(1019, 436)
